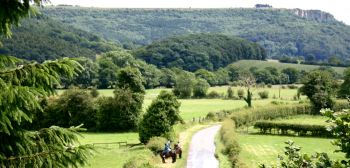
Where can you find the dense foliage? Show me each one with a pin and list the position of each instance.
(199, 51)
(319, 86)
(314, 36)
(122, 112)
(41, 38)
(72, 107)
(160, 116)
(272, 127)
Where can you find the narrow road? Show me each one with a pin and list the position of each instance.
(202, 149)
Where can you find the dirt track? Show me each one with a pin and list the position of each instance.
(202, 149)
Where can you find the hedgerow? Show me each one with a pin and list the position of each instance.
(292, 128)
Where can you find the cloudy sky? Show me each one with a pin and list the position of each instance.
(339, 8)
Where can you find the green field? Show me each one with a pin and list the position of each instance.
(247, 64)
(195, 108)
(304, 119)
(265, 148)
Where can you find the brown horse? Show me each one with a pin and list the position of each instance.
(171, 154)
(178, 150)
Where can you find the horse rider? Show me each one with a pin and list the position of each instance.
(167, 148)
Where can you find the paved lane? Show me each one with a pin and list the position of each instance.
(202, 149)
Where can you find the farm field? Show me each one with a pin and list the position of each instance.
(265, 148)
(195, 108)
(304, 119)
(246, 64)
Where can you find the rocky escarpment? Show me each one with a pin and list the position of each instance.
(317, 15)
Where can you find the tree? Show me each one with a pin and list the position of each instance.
(248, 81)
(73, 107)
(160, 116)
(21, 85)
(200, 88)
(344, 90)
(319, 87)
(130, 78)
(121, 112)
(184, 85)
(292, 73)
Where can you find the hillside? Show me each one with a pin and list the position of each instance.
(314, 34)
(41, 38)
(199, 51)
(247, 64)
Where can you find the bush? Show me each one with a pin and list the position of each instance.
(264, 94)
(94, 92)
(299, 129)
(249, 116)
(140, 161)
(292, 86)
(156, 143)
(269, 86)
(230, 140)
(213, 94)
(230, 93)
(211, 116)
(240, 93)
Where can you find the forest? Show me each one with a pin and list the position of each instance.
(280, 31)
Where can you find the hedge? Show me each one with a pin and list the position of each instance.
(286, 128)
(229, 138)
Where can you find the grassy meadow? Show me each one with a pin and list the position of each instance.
(114, 156)
(265, 148)
(196, 108)
(247, 64)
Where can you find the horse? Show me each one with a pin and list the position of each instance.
(178, 150)
(171, 154)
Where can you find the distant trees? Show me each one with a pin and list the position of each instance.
(319, 86)
(200, 51)
(160, 116)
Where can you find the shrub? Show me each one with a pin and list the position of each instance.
(249, 116)
(283, 87)
(156, 143)
(140, 161)
(211, 116)
(264, 94)
(230, 140)
(94, 92)
(269, 86)
(213, 94)
(230, 93)
(240, 93)
(299, 129)
(292, 86)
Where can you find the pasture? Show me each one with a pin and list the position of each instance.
(265, 148)
(247, 64)
(199, 108)
(262, 148)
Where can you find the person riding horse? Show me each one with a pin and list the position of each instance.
(167, 148)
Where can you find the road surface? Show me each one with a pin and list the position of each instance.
(202, 149)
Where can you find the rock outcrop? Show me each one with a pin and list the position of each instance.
(317, 15)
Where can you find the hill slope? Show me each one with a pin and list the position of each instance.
(247, 64)
(312, 34)
(199, 51)
(42, 38)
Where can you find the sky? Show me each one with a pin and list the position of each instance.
(339, 8)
